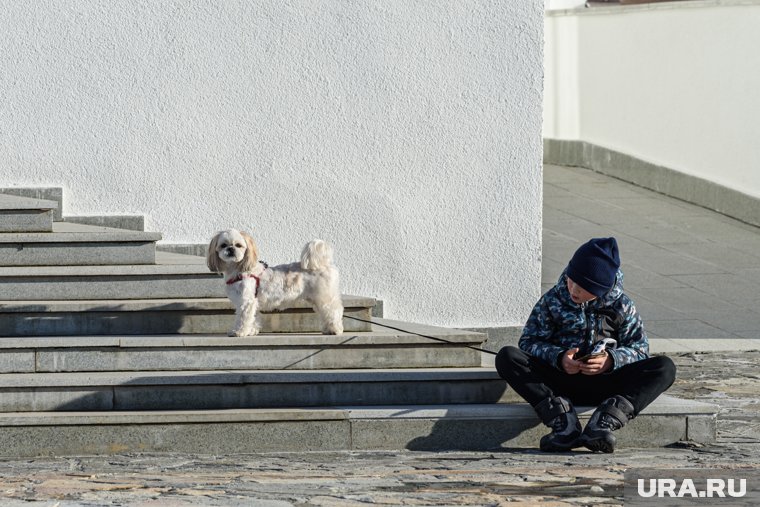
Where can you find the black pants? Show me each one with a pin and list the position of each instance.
(535, 380)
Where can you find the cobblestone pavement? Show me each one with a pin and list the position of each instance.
(500, 477)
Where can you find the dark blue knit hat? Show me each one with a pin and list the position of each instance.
(594, 265)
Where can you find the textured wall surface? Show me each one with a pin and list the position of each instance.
(408, 134)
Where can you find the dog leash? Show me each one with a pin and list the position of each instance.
(418, 334)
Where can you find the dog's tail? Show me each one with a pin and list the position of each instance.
(316, 256)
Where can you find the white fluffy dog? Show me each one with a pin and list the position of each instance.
(253, 286)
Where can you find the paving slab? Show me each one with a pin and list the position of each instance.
(689, 269)
(751, 334)
(680, 345)
(694, 328)
(734, 288)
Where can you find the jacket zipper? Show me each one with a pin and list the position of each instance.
(590, 327)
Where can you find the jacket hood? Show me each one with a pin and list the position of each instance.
(608, 299)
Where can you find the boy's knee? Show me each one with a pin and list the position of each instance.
(667, 369)
(510, 354)
(507, 358)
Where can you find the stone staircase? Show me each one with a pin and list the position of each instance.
(107, 345)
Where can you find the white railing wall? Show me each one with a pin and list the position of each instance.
(674, 84)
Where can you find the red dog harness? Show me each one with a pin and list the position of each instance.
(240, 278)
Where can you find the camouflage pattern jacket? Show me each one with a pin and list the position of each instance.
(557, 324)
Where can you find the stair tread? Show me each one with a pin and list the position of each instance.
(174, 304)
(664, 405)
(231, 377)
(378, 336)
(14, 202)
(69, 232)
(166, 264)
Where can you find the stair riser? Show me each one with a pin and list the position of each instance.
(490, 434)
(111, 287)
(259, 358)
(76, 254)
(129, 222)
(26, 221)
(54, 194)
(229, 438)
(309, 434)
(219, 397)
(163, 322)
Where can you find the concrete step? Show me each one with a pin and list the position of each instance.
(215, 390)
(25, 214)
(160, 316)
(378, 348)
(431, 427)
(76, 244)
(130, 222)
(173, 276)
(54, 194)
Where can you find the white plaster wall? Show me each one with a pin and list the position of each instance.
(561, 106)
(564, 4)
(406, 133)
(674, 84)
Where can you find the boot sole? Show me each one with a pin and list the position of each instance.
(601, 444)
(560, 448)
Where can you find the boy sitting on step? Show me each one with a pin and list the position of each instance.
(549, 371)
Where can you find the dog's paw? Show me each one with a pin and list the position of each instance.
(250, 332)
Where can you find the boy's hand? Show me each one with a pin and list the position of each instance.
(596, 365)
(569, 364)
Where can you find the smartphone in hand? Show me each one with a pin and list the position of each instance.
(593, 354)
(599, 349)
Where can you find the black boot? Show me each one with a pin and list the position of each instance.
(611, 415)
(559, 414)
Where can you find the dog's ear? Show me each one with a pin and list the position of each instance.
(251, 257)
(213, 261)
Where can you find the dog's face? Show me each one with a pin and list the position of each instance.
(230, 246)
(232, 250)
